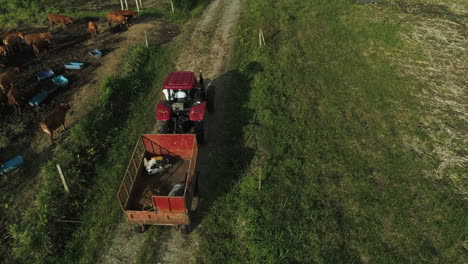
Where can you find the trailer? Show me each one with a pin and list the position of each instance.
(167, 196)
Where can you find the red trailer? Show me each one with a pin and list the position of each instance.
(149, 199)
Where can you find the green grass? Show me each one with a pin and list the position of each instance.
(325, 115)
(93, 158)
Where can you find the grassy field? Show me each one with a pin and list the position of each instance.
(74, 227)
(327, 116)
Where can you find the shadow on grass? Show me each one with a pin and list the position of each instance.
(227, 155)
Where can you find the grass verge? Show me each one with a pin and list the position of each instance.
(329, 118)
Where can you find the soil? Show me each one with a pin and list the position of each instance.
(70, 44)
(207, 51)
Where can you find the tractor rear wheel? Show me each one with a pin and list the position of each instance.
(210, 97)
(199, 131)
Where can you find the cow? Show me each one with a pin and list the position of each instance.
(31, 38)
(3, 100)
(129, 14)
(93, 29)
(14, 98)
(116, 19)
(59, 19)
(3, 51)
(13, 40)
(54, 120)
(41, 45)
(7, 78)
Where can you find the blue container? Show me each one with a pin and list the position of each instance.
(12, 164)
(95, 53)
(60, 80)
(37, 99)
(74, 65)
(47, 73)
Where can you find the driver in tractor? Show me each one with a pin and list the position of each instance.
(169, 94)
(180, 95)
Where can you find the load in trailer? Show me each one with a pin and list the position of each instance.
(187, 100)
(160, 195)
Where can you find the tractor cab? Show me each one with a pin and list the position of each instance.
(185, 104)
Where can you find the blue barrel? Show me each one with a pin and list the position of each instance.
(12, 164)
(37, 99)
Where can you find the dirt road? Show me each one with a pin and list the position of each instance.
(207, 51)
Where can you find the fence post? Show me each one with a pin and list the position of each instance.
(261, 38)
(146, 39)
(65, 186)
(260, 179)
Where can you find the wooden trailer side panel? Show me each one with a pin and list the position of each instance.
(156, 218)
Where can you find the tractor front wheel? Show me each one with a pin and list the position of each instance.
(210, 98)
(199, 131)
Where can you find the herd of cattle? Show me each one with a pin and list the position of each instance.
(13, 42)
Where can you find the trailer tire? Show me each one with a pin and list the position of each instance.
(184, 229)
(210, 99)
(197, 184)
(139, 228)
(198, 129)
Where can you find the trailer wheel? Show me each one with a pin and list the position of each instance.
(210, 98)
(199, 131)
(184, 229)
(197, 184)
(139, 228)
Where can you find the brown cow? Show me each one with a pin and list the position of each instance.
(54, 120)
(14, 98)
(59, 19)
(129, 14)
(116, 19)
(41, 45)
(13, 40)
(31, 38)
(93, 29)
(3, 51)
(7, 78)
(3, 100)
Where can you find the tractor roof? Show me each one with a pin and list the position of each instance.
(180, 80)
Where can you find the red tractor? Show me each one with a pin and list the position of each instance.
(185, 106)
